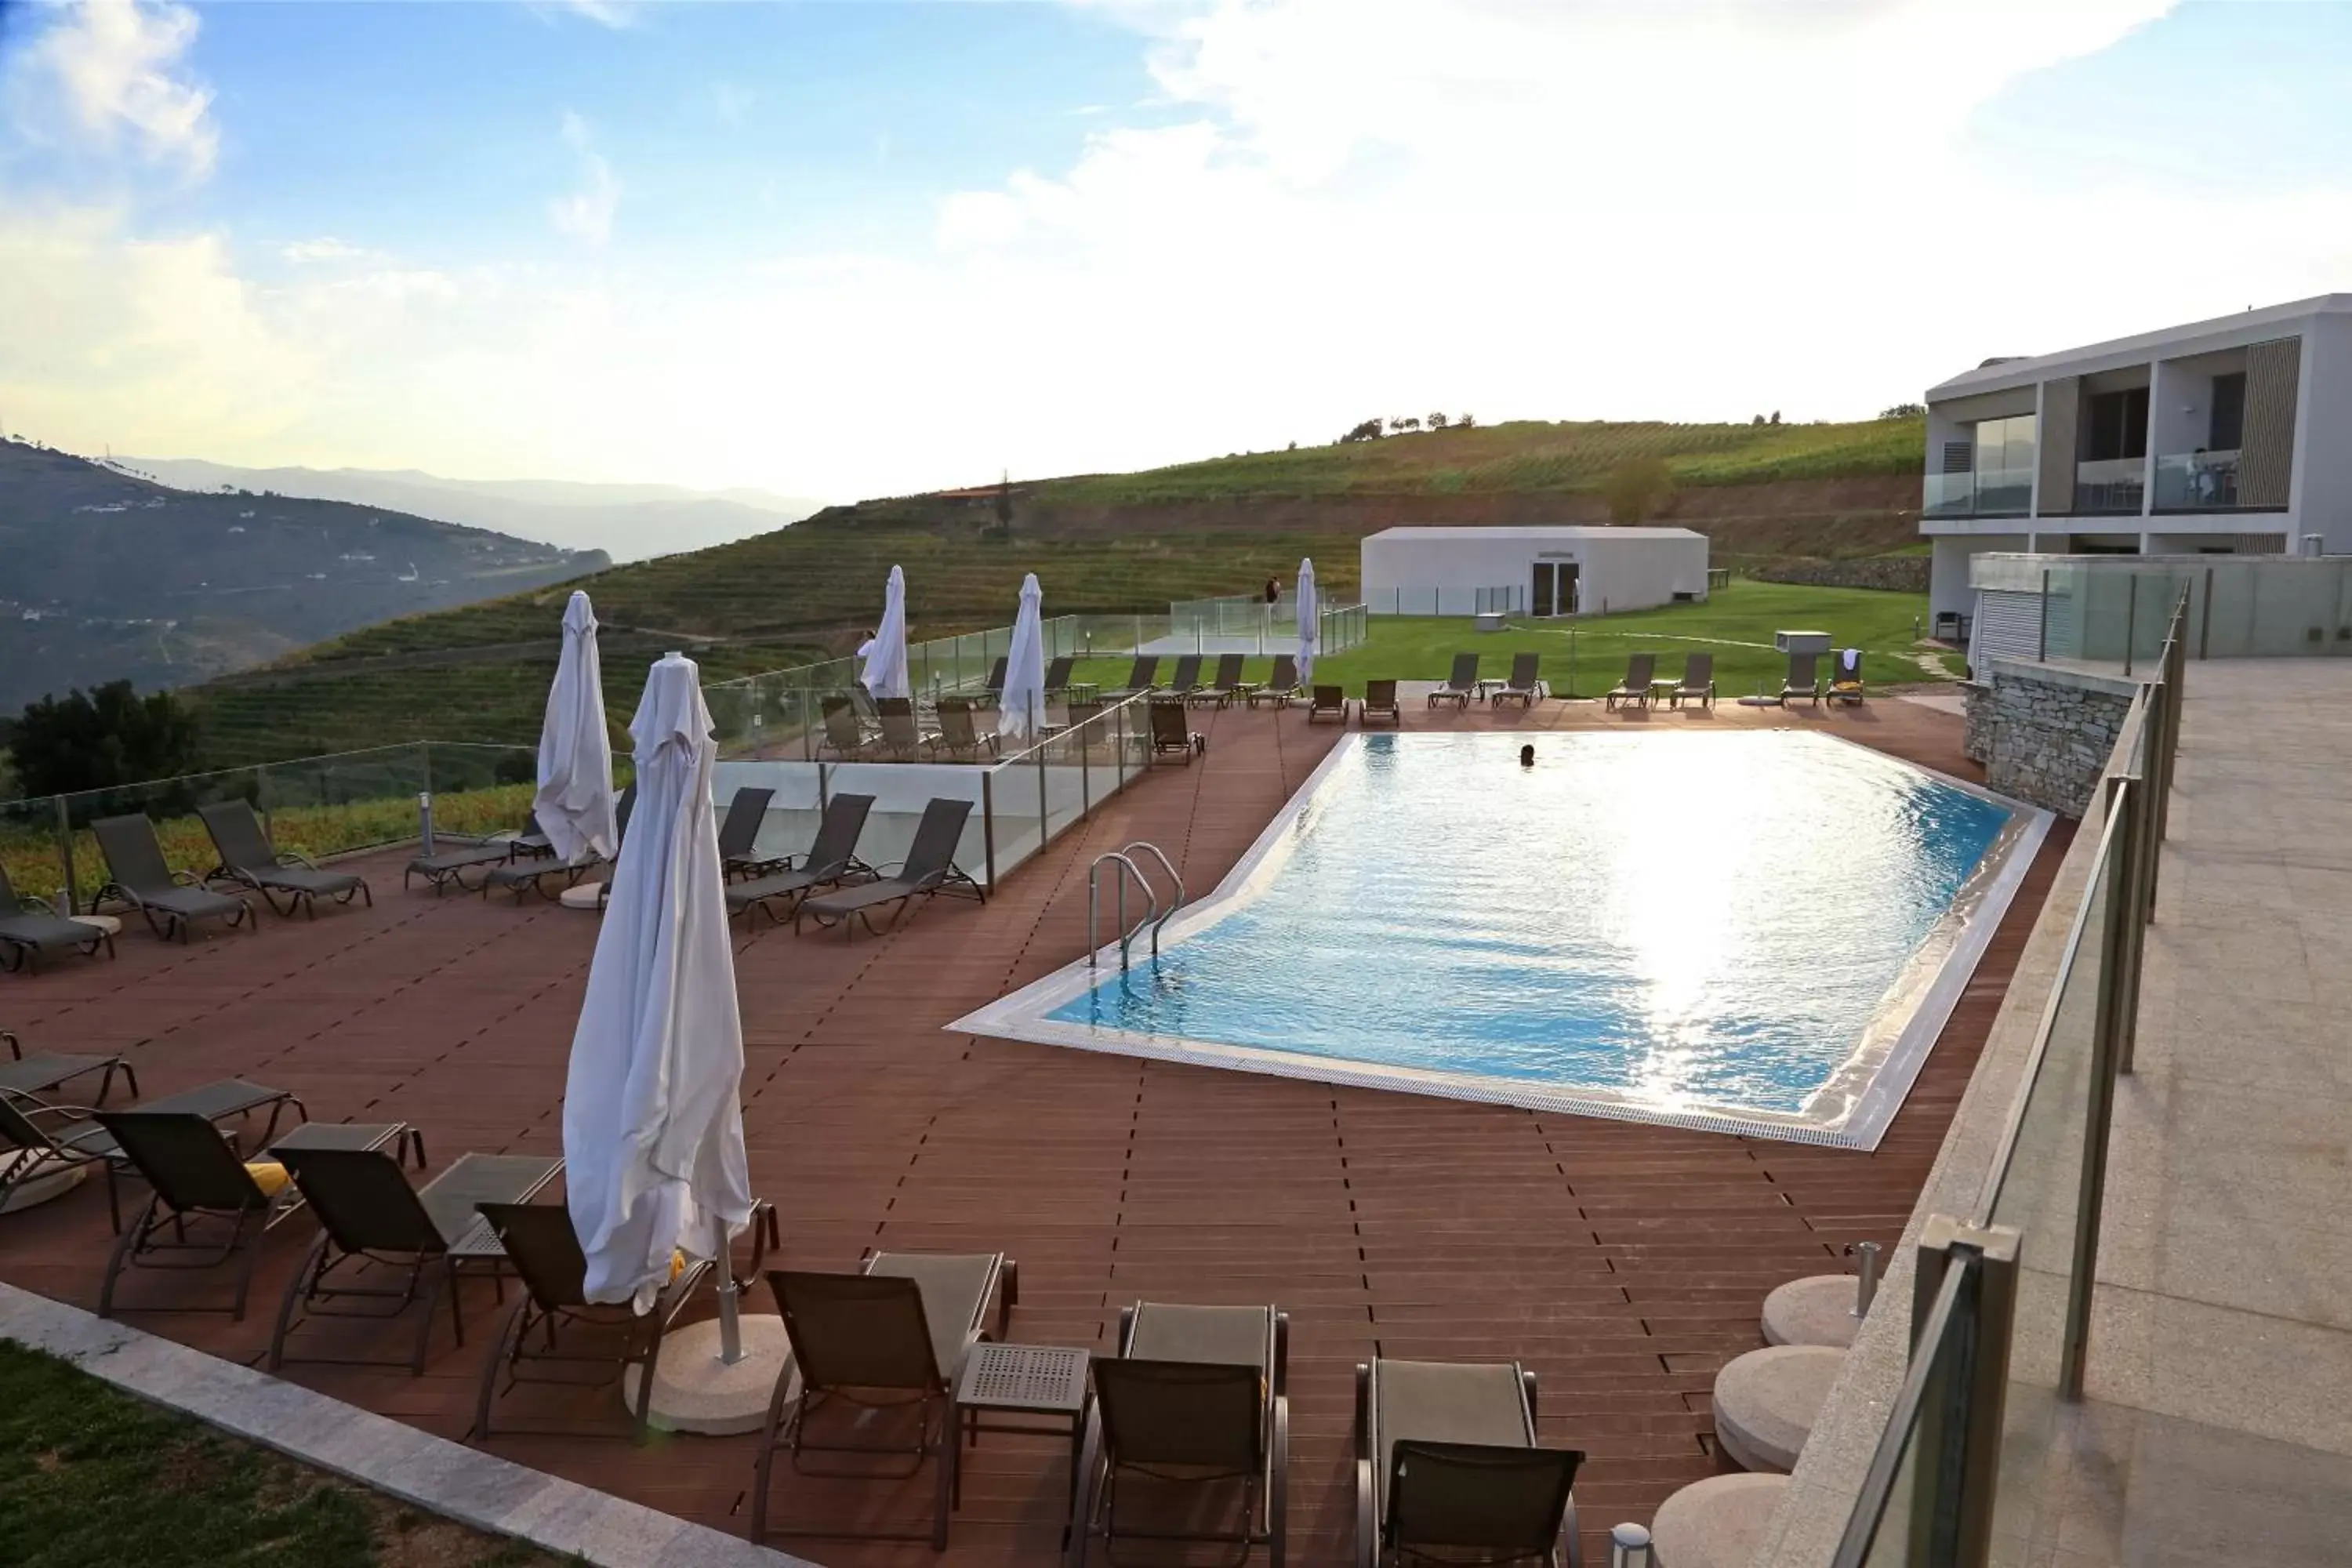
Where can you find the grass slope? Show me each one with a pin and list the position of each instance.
(91, 1478)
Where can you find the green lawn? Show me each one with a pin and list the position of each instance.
(91, 1478)
(1585, 656)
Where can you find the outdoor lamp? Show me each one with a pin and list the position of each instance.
(1629, 1547)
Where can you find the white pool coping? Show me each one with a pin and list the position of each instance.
(1852, 1109)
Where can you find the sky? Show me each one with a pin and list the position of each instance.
(867, 248)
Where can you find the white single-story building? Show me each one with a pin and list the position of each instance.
(1539, 571)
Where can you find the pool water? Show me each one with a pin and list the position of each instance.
(1742, 924)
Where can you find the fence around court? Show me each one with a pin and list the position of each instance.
(2002, 1300)
(1248, 623)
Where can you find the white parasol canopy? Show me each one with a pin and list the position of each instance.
(1311, 622)
(1021, 706)
(885, 673)
(574, 803)
(653, 1119)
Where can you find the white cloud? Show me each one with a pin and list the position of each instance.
(586, 215)
(325, 249)
(118, 66)
(614, 14)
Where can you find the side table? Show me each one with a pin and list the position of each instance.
(1046, 1380)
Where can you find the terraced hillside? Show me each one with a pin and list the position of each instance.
(1100, 544)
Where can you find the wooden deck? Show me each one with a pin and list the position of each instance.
(1623, 1263)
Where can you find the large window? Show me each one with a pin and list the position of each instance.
(2114, 425)
(2004, 464)
(2229, 429)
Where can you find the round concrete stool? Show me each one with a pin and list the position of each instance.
(1766, 1401)
(1813, 1312)
(1715, 1523)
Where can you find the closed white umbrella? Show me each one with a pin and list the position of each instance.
(885, 673)
(574, 803)
(653, 1121)
(1310, 624)
(1022, 705)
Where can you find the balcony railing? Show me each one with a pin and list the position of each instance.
(1988, 492)
(2111, 486)
(2197, 481)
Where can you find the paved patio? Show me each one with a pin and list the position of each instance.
(1624, 1264)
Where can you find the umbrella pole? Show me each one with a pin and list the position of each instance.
(731, 1328)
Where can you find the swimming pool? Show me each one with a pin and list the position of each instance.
(1758, 932)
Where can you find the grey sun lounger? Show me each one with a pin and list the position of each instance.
(1141, 677)
(843, 734)
(1461, 683)
(1803, 678)
(1845, 684)
(1195, 1408)
(1187, 679)
(371, 1220)
(171, 901)
(195, 1181)
(830, 859)
(1448, 1470)
(1172, 738)
(928, 870)
(30, 930)
(1327, 702)
(1524, 685)
(35, 1075)
(1380, 702)
(249, 858)
(900, 1327)
(1057, 674)
(994, 688)
(1640, 673)
(958, 736)
(58, 1136)
(1281, 687)
(1225, 688)
(739, 833)
(523, 876)
(902, 738)
(443, 867)
(1697, 684)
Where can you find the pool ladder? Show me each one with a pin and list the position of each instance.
(1125, 870)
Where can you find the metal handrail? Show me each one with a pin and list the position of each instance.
(1173, 875)
(1126, 868)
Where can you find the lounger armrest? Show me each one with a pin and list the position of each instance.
(190, 879)
(295, 858)
(1281, 1354)
(16, 1051)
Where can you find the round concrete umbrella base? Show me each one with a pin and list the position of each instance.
(1818, 1311)
(694, 1391)
(110, 925)
(583, 896)
(1718, 1522)
(1765, 1402)
(54, 1183)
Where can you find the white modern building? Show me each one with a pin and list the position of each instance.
(2229, 436)
(1542, 570)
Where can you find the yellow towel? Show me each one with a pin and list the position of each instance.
(269, 1175)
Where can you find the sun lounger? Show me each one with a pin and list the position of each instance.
(36, 1075)
(1524, 685)
(196, 1180)
(56, 1137)
(958, 737)
(1803, 678)
(900, 1329)
(1846, 677)
(1381, 702)
(1225, 688)
(739, 833)
(555, 1316)
(1187, 679)
(170, 900)
(249, 858)
(372, 1222)
(992, 692)
(1327, 702)
(1697, 684)
(523, 876)
(1173, 740)
(1461, 683)
(845, 736)
(30, 930)
(1057, 675)
(1191, 1419)
(928, 870)
(1640, 673)
(1282, 687)
(831, 858)
(1447, 1469)
(445, 867)
(1141, 675)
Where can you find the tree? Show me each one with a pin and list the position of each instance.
(1403, 422)
(1776, 418)
(1904, 411)
(1757, 420)
(1369, 430)
(1468, 421)
(1005, 501)
(1437, 421)
(1636, 489)
(101, 738)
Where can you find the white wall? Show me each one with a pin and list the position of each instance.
(1425, 576)
(2323, 454)
(1948, 569)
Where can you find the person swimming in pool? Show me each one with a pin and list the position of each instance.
(1528, 756)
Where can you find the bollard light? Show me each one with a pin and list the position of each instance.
(1865, 1285)
(1629, 1547)
(425, 819)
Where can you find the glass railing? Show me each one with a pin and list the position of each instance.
(1505, 598)
(1948, 495)
(2111, 486)
(1988, 492)
(2197, 481)
(1245, 624)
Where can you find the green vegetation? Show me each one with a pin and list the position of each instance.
(95, 740)
(91, 1478)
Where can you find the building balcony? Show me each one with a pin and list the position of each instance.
(2197, 481)
(1990, 492)
(2110, 487)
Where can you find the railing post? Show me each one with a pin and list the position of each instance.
(2131, 621)
(1045, 807)
(2041, 639)
(2121, 920)
(1085, 782)
(1957, 1442)
(65, 857)
(988, 825)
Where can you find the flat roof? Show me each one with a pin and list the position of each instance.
(2029, 368)
(1535, 530)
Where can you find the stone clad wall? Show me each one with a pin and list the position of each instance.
(2043, 732)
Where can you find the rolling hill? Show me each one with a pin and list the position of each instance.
(108, 577)
(627, 522)
(1099, 543)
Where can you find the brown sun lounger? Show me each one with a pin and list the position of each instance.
(54, 1137)
(1697, 684)
(1448, 1470)
(196, 1182)
(448, 867)
(249, 858)
(1172, 738)
(1525, 686)
(895, 1333)
(30, 930)
(958, 737)
(1281, 688)
(1141, 677)
(1327, 702)
(522, 877)
(1461, 683)
(1845, 683)
(1225, 688)
(831, 858)
(739, 833)
(928, 870)
(35, 1075)
(1640, 673)
(844, 734)
(1803, 678)
(1187, 679)
(171, 901)
(1380, 702)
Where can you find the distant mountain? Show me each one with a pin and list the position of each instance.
(628, 522)
(104, 575)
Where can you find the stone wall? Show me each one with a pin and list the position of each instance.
(2045, 733)
(1895, 573)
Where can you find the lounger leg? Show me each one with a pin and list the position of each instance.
(771, 1436)
(1368, 1528)
(1083, 1487)
(1277, 1499)
(949, 1478)
(313, 1262)
(509, 1343)
(245, 1271)
(119, 1258)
